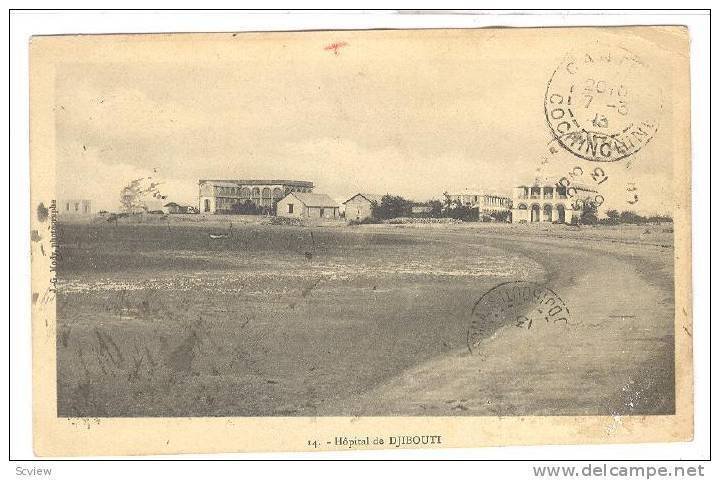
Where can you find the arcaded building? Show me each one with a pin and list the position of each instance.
(485, 202)
(224, 196)
(548, 202)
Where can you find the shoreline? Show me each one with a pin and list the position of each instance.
(635, 382)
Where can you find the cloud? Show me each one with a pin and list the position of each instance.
(407, 120)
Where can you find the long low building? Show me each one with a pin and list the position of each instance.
(224, 196)
(485, 202)
(308, 205)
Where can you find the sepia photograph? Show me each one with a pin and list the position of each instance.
(421, 225)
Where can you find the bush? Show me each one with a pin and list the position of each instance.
(420, 220)
(245, 208)
(613, 217)
(589, 214)
(462, 212)
(660, 219)
(631, 217)
(392, 206)
(114, 217)
(364, 221)
(285, 221)
(501, 216)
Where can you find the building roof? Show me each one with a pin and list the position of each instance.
(552, 182)
(315, 199)
(576, 185)
(235, 183)
(370, 197)
(171, 204)
(477, 192)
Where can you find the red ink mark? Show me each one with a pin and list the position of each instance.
(336, 46)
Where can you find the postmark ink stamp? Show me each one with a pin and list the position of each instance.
(520, 303)
(599, 105)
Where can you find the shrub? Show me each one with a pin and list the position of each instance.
(364, 221)
(285, 221)
(501, 216)
(462, 212)
(631, 217)
(420, 220)
(588, 215)
(391, 206)
(245, 208)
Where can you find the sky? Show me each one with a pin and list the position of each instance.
(402, 114)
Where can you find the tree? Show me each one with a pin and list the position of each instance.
(660, 219)
(613, 217)
(133, 195)
(588, 215)
(436, 207)
(455, 209)
(392, 206)
(628, 216)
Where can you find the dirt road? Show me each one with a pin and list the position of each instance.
(615, 358)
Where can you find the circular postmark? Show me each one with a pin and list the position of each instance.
(601, 104)
(520, 303)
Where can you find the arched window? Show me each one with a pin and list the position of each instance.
(522, 206)
(547, 213)
(245, 192)
(266, 192)
(256, 192)
(535, 213)
(277, 192)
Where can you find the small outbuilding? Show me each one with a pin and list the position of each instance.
(359, 206)
(175, 208)
(308, 205)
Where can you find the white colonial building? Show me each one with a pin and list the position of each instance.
(75, 206)
(546, 201)
(223, 196)
(485, 202)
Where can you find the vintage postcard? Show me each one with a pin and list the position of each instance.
(345, 240)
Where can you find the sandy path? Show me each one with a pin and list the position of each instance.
(616, 359)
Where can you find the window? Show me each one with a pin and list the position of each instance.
(290, 208)
(67, 207)
(77, 206)
(322, 212)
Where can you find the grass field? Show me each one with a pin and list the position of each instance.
(269, 321)
(163, 320)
